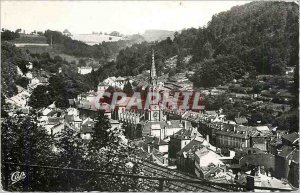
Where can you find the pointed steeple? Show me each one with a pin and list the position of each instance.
(153, 77)
(153, 70)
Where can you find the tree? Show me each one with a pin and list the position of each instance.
(22, 141)
(128, 89)
(100, 137)
(23, 82)
(70, 154)
(218, 71)
(81, 62)
(3, 107)
(41, 97)
(172, 72)
(288, 121)
(10, 57)
(7, 35)
(180, 64)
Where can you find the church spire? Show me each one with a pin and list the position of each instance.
(153, 77)
(153, 70)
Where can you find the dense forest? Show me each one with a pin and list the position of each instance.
(261, 36)
(11, 58)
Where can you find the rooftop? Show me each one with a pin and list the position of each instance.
(292, 137)
(194, 144)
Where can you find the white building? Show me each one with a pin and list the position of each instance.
(84, 70)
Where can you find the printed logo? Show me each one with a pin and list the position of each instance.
(17, 176)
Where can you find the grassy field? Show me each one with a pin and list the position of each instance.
(55, 50)
(92, 39)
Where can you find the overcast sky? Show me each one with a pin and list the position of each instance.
(127, 17)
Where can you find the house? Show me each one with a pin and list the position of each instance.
(274, 144)
(72, 111)
(180, 139)
(185, 158)
(110, 81)
(43, 80)
(261, 179)
(259, 159)
(204, 159)
(74, 121)
(87, 129)
(241, 120)
(57, 128)
(86, 132)
(115, 124)
(102, 86)
(232, 137)
(161, 129)
(293, 176)
(120, 82)
(260, 138)
(259, 142)
(159, 158)
(150, 143)
(29, 75)
(66, 32)
(17, 101)
(85, 70)
(34, 81)
(291, 139)
(53, 122)
(287, 164)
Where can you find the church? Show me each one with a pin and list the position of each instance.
(149, 122)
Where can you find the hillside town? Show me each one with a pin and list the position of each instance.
(203, 143)
(111, 106)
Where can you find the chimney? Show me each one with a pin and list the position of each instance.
(207, 138)
(234, 128)
(149, 148)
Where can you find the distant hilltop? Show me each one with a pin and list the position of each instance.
(157, 35)
(92, 39)
(149, 36)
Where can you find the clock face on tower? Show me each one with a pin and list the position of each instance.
(154, 110)
(155, 116)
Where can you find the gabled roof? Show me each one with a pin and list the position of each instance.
(69, 118)
(102, 84)
(285, 151)
(211, 112)
(186, 133)
(154, 141)
(241, 120)
(54, 120)
(193, 144)
(88, 121)
(292, 137)
(87, 129)
(59, 126)
(174, 124)
(258, 140)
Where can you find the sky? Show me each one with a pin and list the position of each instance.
(127, 17)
